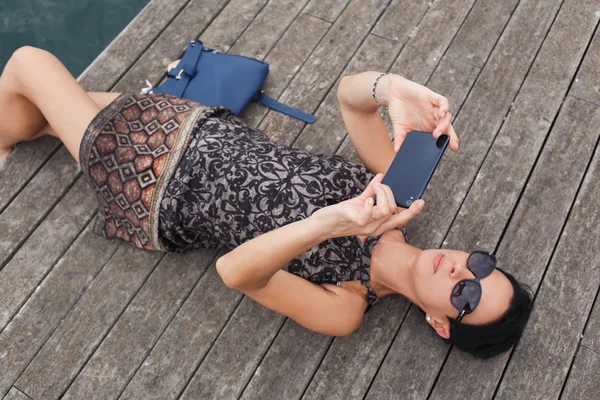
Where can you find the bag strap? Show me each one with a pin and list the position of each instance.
(186, 69)
(282, 108)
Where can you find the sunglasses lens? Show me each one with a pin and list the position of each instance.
(481, 264)
(465, 296)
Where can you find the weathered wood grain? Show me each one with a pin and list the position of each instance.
(397, 17)
(478, 35)
(267, 28)
(591, 336)
(295, 352)
(22, 164)
(444, 194)
(326, 134)
(524, 251)
(352, 361)
(27, 210)
(84, 327)
(236, 353)
(328, 10)
(131, 43)
(137, 330)
(16, 394)
(50, 302)
(539, 365)
(587, 81)
(286, 58)
(377, 53)
(184, 344)
(46, 245)
(482, 116)
(322, 69)
(498, 183)
(217, 22)
(405, 374)
(426, 47)
(584, 380)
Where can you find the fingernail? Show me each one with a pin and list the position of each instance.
(371, 201)
(443, 114)
(421, 204)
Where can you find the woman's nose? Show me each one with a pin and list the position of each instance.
(460, 271)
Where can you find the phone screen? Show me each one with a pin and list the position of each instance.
(413, 166)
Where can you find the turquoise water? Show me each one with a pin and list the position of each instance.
(76, 31)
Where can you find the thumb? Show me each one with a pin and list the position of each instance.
(400, 133)
(370, 190)
(404, 217)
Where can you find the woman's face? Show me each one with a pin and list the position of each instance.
(436, 273)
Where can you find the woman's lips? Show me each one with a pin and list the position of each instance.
(437, 262)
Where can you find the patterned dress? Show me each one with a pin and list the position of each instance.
(229, 184)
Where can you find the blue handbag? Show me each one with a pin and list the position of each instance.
(212, 78)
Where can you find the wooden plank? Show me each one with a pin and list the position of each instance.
(328, 10)
(539, 366)
(46, 245)
(478, 35)
(587, 81)
(497, 84)
(425, 49)
(591, 337)
(177, 354)
(50, 302)
(236, 354)
(322, 69)
(131, 43)
(227, 20)
(403, 373)
(398, 21)
(584, 380)
(377, 53)
(137, 330)
(504, 174)
(352, 361)
(286, 59)
(84, 327)
(524, 251)
(21, 166)
(26, 211)
(16, 394)
(258, 40)
(326, 134)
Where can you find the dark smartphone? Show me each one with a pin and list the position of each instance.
(413, 166)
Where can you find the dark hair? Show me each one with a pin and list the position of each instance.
(485, 341)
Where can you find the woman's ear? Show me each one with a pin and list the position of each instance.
(441, 326)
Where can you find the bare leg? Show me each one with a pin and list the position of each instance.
(39, 96)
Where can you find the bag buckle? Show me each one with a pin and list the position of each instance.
(178, 77)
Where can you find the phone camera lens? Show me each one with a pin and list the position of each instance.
(408, 202)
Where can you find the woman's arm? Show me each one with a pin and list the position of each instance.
(411, 107)
(255, 267)
(363, 120)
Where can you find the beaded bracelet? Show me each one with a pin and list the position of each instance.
(375, 88)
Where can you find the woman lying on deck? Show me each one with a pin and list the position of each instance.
(308, 241)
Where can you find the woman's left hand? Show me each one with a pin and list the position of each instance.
(414, 107)
(361, 217)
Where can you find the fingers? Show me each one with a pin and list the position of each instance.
(442, 126)
(369, 191)
(403, 218)
(442, 103)
(453, 138)
(399, 136)
(386, 205)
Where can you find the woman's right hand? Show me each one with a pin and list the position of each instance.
(361, 217)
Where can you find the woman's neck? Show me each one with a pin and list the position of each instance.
(392, 263)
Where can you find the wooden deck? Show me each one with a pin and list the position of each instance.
(86, 318)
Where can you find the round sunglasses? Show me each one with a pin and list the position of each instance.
(466, 295)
